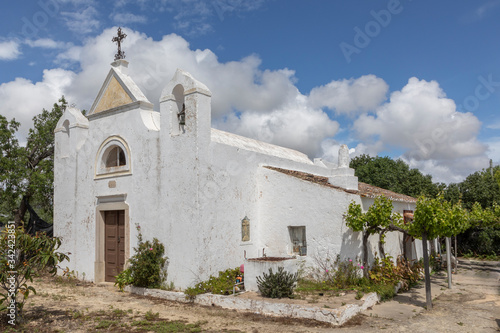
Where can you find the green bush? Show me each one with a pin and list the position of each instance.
(147, 265)
(222, 285)
(385, 272)
(481, 241)
(277, 285)
(336, 273)
(23, 257)
(345, 274)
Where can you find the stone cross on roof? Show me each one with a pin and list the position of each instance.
(118, 39)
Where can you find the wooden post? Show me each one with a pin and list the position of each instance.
(365, 253)
(456, 256)
(440, 261)
(448, 260)
(428, 295)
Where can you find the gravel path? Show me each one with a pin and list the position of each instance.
(472, 305)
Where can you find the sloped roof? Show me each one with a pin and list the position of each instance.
(371, 191)
(364, 190)
(242, 142)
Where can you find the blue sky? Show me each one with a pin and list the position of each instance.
(415, 79)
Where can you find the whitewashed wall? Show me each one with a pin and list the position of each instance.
(192, 189)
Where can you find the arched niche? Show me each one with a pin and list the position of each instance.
(184, 90)
(70, 132)
(179, 113)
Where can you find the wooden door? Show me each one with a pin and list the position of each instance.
(114, 243)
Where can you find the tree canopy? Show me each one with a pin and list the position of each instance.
(394, 175)
(479, 187)
(26, 172)
(437, 217)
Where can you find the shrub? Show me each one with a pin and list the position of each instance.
(480, 241)
(337, 273)
(277, 285)
(409, 272)
(24, 256)
(385, 272)
(222, 285)
(147, 265)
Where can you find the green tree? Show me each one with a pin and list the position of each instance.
(483, 236)
(436, 217)
(379, 219)
(26, 173)
(480, 187)
(394, 175)
(452, 193)
(480, 194)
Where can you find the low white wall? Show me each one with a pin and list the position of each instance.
(336, 317)
(255, 267)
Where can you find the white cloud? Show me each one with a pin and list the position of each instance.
(423, 122)
(494, 149)
(266, 104)
(494, 125)
(350, 95)
(47, 43)
(295, 125)
(9, 50)
(127, 18)
(23, 99)
(82, 21)
(449, 171)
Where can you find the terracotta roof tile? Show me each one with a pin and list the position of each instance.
(364, 190)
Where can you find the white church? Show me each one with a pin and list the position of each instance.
(216, 200)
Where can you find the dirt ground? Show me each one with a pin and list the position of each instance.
(472, 305)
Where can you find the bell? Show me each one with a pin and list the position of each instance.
(182, 115)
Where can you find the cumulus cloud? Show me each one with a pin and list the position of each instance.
(266, 105)
(295, 125)
(9, 50)
(350, 95)
(422, 121)
(23, 99)
(262, 104)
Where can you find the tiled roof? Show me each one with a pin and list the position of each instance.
(371, 191)
(364, 190)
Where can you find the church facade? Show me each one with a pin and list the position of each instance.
(214, 199)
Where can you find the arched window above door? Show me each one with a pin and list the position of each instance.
(113, 158)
